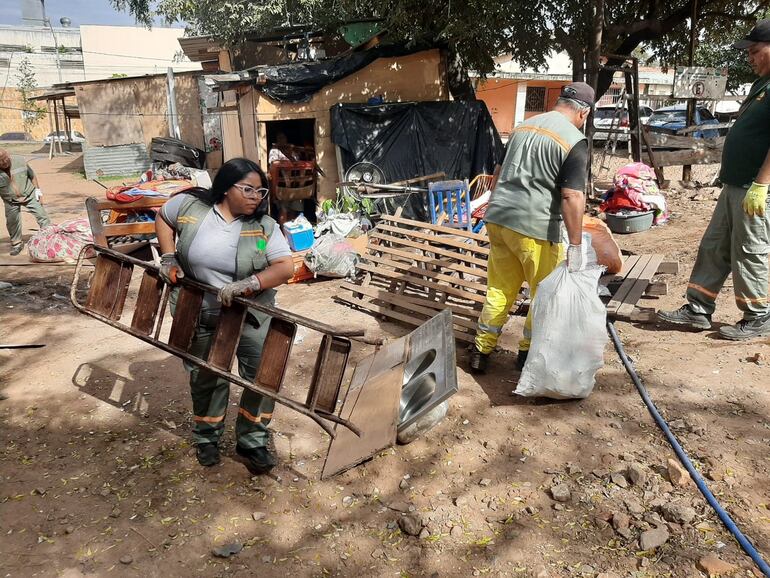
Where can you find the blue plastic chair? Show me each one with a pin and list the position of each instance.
(452, 199)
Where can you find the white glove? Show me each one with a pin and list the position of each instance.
(38, 194)
(576, 257)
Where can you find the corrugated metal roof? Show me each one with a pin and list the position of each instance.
(115, 160)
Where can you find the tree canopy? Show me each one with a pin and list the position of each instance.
(479, 30)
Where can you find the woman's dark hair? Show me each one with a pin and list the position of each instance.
(233, 171)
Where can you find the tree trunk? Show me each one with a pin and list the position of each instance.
(460, 85)
(595, 47)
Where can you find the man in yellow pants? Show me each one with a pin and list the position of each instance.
(539, 185)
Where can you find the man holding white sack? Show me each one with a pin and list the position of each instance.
(538, 186)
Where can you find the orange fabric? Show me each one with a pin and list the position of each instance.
(703, 290)
(607, 250)
(209, 419)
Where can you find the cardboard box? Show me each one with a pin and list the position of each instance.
(301, 272)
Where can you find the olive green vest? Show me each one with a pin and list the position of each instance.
(250, 254)
(527, 198)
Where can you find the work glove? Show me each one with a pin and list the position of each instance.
(38, 194)
(245, 287)
(576, 258)
(170, 269)
(755, 200)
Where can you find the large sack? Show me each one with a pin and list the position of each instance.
(62, 242)
(607, 251)
(568, 336)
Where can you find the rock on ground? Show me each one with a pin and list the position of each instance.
(561, 493)
(651, 539)
(713, 566)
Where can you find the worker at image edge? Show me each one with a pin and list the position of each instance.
(224, 238)
(737, 239)
(19, 188)
(537, 189)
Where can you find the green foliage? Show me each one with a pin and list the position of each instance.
(119, 75)
(347, 203)
(478, 30)
(724, 56)
(26, 83)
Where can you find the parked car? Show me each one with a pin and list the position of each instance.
(674, 118)
(16, 136)
(61, 136)
(605, 118)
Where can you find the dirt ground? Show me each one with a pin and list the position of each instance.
(98, 477)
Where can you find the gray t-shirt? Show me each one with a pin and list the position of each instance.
(213, 250)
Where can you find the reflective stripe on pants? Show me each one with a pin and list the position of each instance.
(513, 259)
(733, 243)
(210, 394)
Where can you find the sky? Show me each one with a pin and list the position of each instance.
(79, 11)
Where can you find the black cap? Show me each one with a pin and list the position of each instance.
(760, 33)
(579, 91)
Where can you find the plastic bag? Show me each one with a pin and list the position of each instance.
(332, 256)
(607, 251)
(62, 242)
(568, 336)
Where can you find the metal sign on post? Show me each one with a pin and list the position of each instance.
(699, 82)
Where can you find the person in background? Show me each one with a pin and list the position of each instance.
(224, 238)
(539, 185)
(737, 240)
(19, 188)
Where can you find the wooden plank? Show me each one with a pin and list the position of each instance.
(109, 287)
(628, 264)
(657, 139)
(657, 289)
(427, 273)
(688, 157)
(227, 336)
(437, 228)
(141, 203)
(630, 280)
(275, 353)
(610, 278)
(637, 290)
(421, 305)
(428, 261)
(698, 127)
(147, 302)
(421, 282)
(121, 229)
(188, 307)
(427, 248)
(329, 371)
(669, 268)
(436, 176)
(95, 220)
(408, 319)
(471, 247)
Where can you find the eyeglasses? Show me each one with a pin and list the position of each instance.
(250, 192)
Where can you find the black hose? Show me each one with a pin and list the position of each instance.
(747, 546)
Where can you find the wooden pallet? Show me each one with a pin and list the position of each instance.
(413, 270)
(636, 280)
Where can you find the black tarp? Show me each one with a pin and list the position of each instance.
(297, 82)
(408, 140)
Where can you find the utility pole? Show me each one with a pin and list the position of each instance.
(593, 64)
(691, 103)
(47, 22)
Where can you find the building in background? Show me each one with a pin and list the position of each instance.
(514, 94)
(70, 54)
